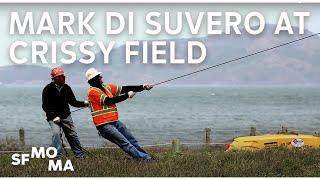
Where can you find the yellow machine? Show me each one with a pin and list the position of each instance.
(274, 140)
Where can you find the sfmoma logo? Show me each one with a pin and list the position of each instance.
(51, 153)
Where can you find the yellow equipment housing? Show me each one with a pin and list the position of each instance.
(274, 140)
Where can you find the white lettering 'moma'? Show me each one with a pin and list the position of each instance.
(57, 166)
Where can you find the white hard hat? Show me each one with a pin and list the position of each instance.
(91, 73)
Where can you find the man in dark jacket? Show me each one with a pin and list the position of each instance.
(56, 97)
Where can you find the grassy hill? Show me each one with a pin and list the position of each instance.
(200, 162)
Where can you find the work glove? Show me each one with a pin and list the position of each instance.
(147, 86)
(131, 94)
(86, 103)
(56, 120)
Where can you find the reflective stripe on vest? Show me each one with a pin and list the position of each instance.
(119, 88)
(104, 111)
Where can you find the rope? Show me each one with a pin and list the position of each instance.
(83, 149)
(178, 131)
(115, 147)
(236, 59)
(77, 109)
(213, 131)
(62, 142)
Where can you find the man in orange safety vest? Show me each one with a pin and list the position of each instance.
(102, 99)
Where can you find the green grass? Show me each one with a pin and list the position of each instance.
(200, 162)
(11, 144)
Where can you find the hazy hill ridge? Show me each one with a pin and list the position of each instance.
(295, 64)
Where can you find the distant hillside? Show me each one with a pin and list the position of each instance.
(24, 74)
(295, 64)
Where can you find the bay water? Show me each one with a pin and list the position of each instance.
(166, 113)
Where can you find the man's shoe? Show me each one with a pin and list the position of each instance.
(82, 157)
(150, 159)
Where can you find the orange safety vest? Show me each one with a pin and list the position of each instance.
(101, 113)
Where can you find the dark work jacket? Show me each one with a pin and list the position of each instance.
(56, 103)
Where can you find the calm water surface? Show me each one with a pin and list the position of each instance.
(165, 113)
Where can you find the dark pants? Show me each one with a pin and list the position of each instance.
(68, 128)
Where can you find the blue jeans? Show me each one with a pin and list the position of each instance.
(117, 133)
(66, 125)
